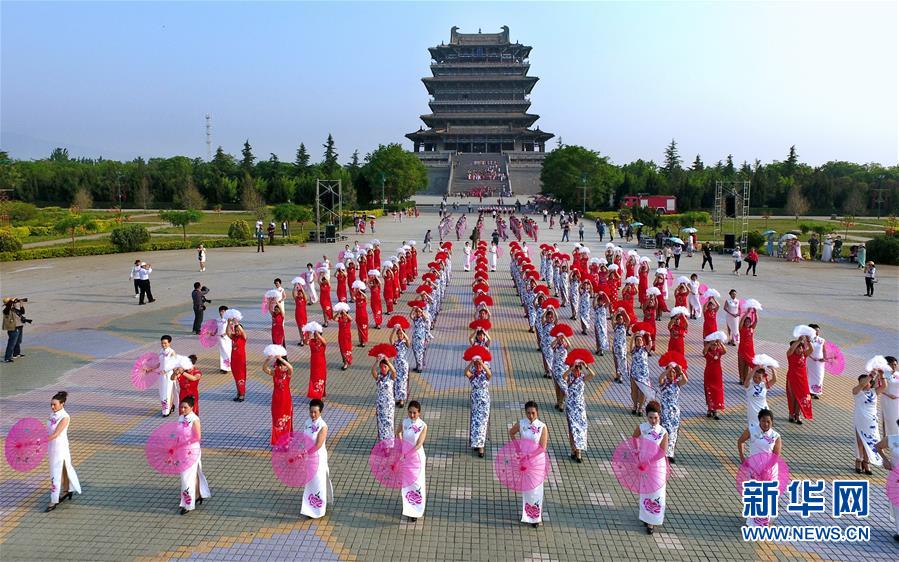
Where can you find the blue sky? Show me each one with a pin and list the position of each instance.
(123, 79)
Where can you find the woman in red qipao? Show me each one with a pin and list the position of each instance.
(397, 290)
(238, 352)
(361, 312)
(650, 315)
(746, 347)
(659, 283)
(324, 297)
(277, 367)
(376, 255)
(341, 282)
(318, 368)
(413, 259)
(350, 278)
(643, 279)
(799, 398)
(627, 298)
(681, 293)
(188, 380)
(710, 315)
(374, 284)
(299, 310)
(277, 325)
(713, 378)
(677, 329)
(344, 333)
(389, 294)
(404, 274)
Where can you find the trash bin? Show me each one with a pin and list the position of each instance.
(330, 233)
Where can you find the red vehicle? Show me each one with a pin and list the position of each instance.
(663, 204)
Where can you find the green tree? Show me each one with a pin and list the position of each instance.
(301, 162)
(181, 218)
(570, 169)
(729, 169)
(797, 204)
(290, 212)
(791, 163)
(672, 160)
(73, 224)
(190, 197)
(697, 166)
(247, 158)
(401, 171)
(329, 164)
(129, 237)
(59, 155)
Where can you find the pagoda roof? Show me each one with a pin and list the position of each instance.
(456, 131)
(508, 117)
(501, 38)
(435, 83)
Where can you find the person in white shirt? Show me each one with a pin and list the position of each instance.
(738, 260)
(282, 294)
(168, 360)
(144, 274)
(467, 252)
(309, 275)
(493, 252)
(201, 256)
(224, 341)
(693, 300)
(135, 277)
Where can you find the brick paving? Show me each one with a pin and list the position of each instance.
(88, 331)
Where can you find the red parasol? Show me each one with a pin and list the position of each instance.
(483, 299)
(394, 463)
(384, 349)
(145, 371)
(398, 320)
(551, 302)
(477, 351)
(764, 467)
(893, 486)
(640, 465)
(563, 329)
(673, 357)
(521, 465)
(209, 335)
(26, 444)
(579, 354)
(294, 459)
(836, 363)
(172, 448)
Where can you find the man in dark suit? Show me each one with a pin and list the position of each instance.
(198, 297)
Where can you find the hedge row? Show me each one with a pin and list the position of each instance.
(104, 247)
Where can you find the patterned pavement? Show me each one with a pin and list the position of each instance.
(87, 333)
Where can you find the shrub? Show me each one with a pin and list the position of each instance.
(40, 230)
(8, 242)
(883, 250)
(129, 238)
(755, 240)
(240, 230)
(20, 212)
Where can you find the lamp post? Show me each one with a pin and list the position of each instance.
(584, 187)
(383, 200)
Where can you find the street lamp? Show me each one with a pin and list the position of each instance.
(584, 187)
(383, 200)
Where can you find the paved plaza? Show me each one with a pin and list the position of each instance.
(88, 330)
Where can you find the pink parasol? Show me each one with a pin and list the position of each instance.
(394, 463)
(26, 444)
(640, 465)
(521, 465)
(172, 448)
(893, 486)
(294, 459)
(835, 363)
(764, 467)
(702, 289)
(145, 371)
(670, 278)
(209, 335)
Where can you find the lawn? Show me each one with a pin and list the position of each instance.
(780, 224)
(212, 223)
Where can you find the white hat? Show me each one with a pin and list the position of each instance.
(411, 242)
(653, 291)
(719, 336)
(613, 267)
(682, 280)
(609, 246)
(711, 293)
(878, 362)
(184, 362)
(631, 280)
(341, 307)
(374, 273)
(386, 263)
(633, 253)
(274, 350)
(762, 360)
(603, 261)
(752, 303)
(272, 294)
(376, 242)
(407, 247)
(593, 261)
(585, 250)
(339, 266)
(679, 310)
(662, 271)
(359, 285)
(803, 330)
(324, 269)
(312, 327)
(644, 259)
(298, 281)
(232, 314)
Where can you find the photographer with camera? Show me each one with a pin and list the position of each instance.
(14, 322)
(198, 296)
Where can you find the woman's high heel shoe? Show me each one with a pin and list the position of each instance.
(858, 466)
(866, 468)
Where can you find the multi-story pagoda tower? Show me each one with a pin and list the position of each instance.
(479, 97)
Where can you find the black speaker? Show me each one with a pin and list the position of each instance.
(730, 242)
(730, 207)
